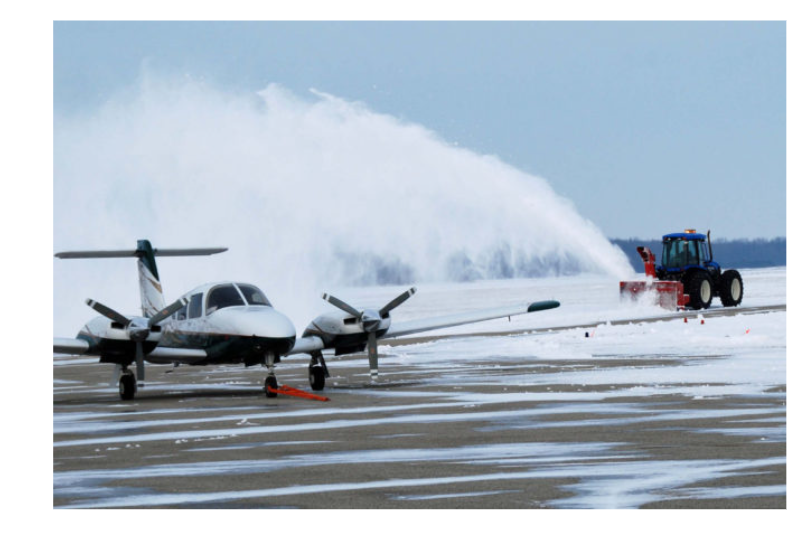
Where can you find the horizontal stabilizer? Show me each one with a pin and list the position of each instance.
(190, 252)
(126, 253)
(70, 346)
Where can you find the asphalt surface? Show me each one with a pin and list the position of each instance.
(209, 438)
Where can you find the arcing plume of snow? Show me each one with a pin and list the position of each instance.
(308, 194)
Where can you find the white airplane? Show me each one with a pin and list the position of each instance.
(234, 323)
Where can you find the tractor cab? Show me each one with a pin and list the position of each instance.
(684, 251)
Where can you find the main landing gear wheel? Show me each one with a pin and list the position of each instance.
(699, 287)
(271, 381)
(127, 386)
(731, 288)
(316, 377)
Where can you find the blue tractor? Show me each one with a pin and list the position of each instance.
(687, 258)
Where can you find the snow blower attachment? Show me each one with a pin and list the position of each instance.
(688, 275)
(669, 294)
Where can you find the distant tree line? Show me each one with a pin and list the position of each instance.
(730, 254)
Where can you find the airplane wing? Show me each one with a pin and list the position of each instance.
(70, 346)
(76, 346)
(428, 324)
(306, 344)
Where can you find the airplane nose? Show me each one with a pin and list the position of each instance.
(264, 322)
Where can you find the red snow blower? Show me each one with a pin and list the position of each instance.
(669, 294)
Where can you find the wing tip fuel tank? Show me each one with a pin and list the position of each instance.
(543, 305)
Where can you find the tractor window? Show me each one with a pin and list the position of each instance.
(222, 297)
(674, 253)
(679, 253)
(253, 295)
(195, 306)
(692, 253)
(702, 252)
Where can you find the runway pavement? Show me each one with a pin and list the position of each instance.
(419, 438)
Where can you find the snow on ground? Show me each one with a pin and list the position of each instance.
(754, 347)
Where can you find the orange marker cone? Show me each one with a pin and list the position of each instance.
(685, 319)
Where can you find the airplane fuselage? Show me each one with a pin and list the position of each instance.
(233, 335)
(231, 323)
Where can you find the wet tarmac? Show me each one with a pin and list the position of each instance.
(481, 436)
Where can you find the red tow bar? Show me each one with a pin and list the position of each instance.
(291, 391)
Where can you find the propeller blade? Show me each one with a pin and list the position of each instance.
(140, 363)
(397, 301)
(334, 301)
(373, 356)
(109, 313)
(166, 312)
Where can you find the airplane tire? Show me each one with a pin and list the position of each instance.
(271, 381)
(316, 377)
(699, 287)
(731, 288)
(127, 386)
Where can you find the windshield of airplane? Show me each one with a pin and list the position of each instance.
(223, 296)
(678, 253)
(253, 295)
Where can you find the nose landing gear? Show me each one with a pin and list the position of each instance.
(271, 380)
(127, 385)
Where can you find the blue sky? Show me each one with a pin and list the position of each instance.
(647, 128)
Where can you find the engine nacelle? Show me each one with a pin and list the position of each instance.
(345, 332)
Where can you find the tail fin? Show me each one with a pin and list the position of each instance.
(149, 283)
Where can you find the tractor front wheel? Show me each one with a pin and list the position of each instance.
(698, 286)
(731, 288)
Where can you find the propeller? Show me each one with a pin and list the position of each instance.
(370, 320)
(138, 328)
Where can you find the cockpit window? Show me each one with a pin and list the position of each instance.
(223, 296)
(181, 314)
(253, 295)
(195, 306)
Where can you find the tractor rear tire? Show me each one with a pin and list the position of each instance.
(698, 285)
(731, 288)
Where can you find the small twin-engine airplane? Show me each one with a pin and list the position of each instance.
(234, 323)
